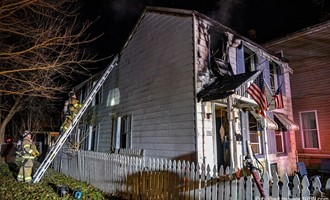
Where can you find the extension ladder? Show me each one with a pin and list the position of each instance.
(61, 140)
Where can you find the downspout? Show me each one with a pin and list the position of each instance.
(266, 147)
(231, 132)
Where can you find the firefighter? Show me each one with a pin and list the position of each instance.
(29, 152)
(71, 109)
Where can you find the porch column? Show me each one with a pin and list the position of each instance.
(266, 147)
(230, 123)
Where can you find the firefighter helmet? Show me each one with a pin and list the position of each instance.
(72, 94)
(26, 133)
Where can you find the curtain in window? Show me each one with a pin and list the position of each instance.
(280, 73)
(309, 130)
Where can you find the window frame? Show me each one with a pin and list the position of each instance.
(126, 132)
(99, 95)
(275, 71)
(113, 98)
(257, 132)
(92, 138)
(279, 133)
(122, 129)
(302, 129)
(251, 59)
(258, 144)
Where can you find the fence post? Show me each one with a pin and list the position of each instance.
(214, 183)
(317, 187)
(221, 183)
(249, 194)
(305, 193)
(275, 187)
(265, 184)
(233, 181)
(227, 184)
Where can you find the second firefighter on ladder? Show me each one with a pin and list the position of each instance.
(71, 109)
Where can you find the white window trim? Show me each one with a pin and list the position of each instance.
(117, 139)
(118, 132)
(90, 134)
(302, 131)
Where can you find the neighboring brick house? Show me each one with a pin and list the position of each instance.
(308, 52)
(179, 74)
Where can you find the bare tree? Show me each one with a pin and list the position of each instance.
(41, 49)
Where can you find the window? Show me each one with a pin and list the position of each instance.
(276, 77)
(91, 142)
(82, 94)
(218, 45)
(309, 129)
(122, 129)
(249, 60)
(113, 97)
(126, 132)
(279, 137)
(255, 135)
(98, 97)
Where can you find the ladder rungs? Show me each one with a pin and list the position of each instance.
(61, 140)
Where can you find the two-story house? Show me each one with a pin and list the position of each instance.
(308, 52)
(179, 92)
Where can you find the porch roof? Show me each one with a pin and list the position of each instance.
(223, 86)
(288, 123)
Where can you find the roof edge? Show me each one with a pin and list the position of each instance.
(293, 35)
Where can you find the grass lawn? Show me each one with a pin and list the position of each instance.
(46, 188)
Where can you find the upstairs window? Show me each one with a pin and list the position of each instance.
(276, 77)
(249, 60)
(309, 129)
(113, 97)
(98, 97)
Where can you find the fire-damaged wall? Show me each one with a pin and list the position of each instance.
(211, 64)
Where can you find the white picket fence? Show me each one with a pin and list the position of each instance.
(136, 178)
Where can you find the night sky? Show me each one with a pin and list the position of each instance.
(269, 18)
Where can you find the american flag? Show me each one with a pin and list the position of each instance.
(257, 92)
(278, 98)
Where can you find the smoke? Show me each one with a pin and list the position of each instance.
(225, 11)
(125, 9)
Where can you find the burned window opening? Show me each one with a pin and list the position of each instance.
(218, 45)
(219, 61)
(219, 79)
